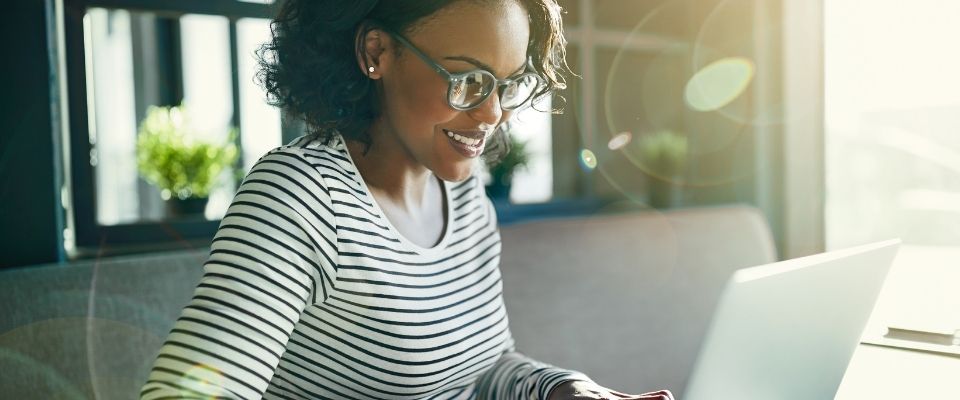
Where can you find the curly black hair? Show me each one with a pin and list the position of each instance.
(309, 68)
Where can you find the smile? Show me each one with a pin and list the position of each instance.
(469, 144)
(463, 139)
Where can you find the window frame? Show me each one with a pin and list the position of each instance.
(89, 237)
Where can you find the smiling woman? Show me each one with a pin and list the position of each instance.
(361, 260)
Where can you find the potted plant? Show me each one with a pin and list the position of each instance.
(664, 153)
(185, 169)
(501, 171)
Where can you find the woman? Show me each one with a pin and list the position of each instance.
(361, 261)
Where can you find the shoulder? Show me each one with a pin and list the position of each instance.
(309, 156)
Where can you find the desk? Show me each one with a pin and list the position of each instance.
(922, 279)
(883, 373)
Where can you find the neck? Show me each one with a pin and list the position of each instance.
(390, 171)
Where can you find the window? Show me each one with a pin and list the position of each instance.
(534, 184)
(126, 56)
(637, 61)
(893, 148)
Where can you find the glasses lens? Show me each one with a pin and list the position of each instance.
(518, 91)
(470, 89)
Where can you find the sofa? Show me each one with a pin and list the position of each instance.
(624, 297)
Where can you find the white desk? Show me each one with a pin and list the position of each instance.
(881, 373)
(923, 284)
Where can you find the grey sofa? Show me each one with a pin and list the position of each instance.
(90, 329)
(625, 298)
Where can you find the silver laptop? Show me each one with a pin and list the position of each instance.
(787, 330)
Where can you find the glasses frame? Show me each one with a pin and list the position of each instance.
(454, 77)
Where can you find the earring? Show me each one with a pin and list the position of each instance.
(370, 69)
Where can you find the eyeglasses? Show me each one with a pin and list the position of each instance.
(468, 90)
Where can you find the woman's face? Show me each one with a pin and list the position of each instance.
(464, 36)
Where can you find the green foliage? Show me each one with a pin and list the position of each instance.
(515, 159)
(665, 152)
(168, 157)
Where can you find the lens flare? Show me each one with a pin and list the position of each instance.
(719, 83)
(619, 141)
(201, 378)
(19, 368)
(730, 29)
(588, 160)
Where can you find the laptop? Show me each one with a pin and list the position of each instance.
(787, 330)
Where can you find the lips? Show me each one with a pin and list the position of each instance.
(468, 143)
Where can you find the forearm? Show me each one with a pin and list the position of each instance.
(516, 376)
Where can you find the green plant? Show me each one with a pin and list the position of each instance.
(664, 152)
(517, 158)
(170, 158)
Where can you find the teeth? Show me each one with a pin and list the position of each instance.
(463, 139)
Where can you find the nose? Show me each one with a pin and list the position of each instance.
(488, 112)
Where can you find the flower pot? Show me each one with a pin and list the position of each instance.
(190, 206)
(664, 193)
(498, 190)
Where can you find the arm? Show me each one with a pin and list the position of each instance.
(269, 259)
(516, 376)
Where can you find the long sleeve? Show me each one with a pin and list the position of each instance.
(273, 255)
(516, 376)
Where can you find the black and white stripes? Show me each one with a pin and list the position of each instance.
(309, 292)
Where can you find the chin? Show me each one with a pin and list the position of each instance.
(455, 173)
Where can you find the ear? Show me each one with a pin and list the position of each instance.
(371, 52)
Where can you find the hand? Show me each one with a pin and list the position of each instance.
(575, 390)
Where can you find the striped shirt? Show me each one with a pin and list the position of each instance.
(309, 292)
